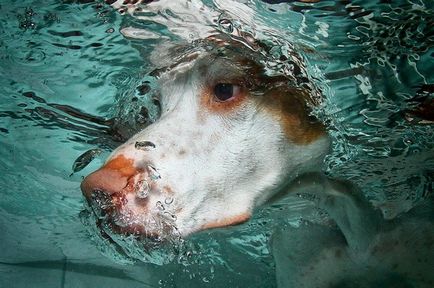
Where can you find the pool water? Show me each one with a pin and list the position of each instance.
(75, 76)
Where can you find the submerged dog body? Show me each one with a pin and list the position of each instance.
(228, 139)
(361, 250)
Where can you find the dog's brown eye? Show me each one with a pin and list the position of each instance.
(226, 91)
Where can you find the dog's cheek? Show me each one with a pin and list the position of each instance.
(289, 108)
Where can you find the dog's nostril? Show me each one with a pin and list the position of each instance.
(144, 145)
(111, 178)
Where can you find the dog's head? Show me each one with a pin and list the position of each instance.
(228, 139)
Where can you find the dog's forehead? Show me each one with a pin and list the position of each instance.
(213, 55)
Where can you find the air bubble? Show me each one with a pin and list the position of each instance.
(26, 20)
(226, 25)
(142, 188)
(206, 280)
(168, 200)
(153, 174)
(159, 206)
(144, 145)
(84, 159)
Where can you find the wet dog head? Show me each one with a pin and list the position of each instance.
(229, 137)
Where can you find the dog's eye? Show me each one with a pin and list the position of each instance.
(226, 91)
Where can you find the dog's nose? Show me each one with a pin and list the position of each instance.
(111, 178)
(107, 180)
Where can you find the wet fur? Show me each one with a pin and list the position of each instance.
(362, 250)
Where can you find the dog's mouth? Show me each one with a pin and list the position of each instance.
(127, 237)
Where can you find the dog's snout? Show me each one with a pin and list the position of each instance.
(127, 199)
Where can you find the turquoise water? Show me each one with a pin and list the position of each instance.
(70, 82)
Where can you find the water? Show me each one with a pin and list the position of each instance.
(71, 81)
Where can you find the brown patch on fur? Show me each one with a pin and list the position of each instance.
(210, 103)
(168, 190)
(289, 106)
(107, 180)
(122, 165)
(227, 221)
(277, 93)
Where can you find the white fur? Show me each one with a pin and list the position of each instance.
(233, 161)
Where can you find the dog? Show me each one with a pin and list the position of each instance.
(362, 249)
(228, 139)
(231, 137)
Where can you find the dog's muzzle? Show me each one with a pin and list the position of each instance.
(126, 199)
